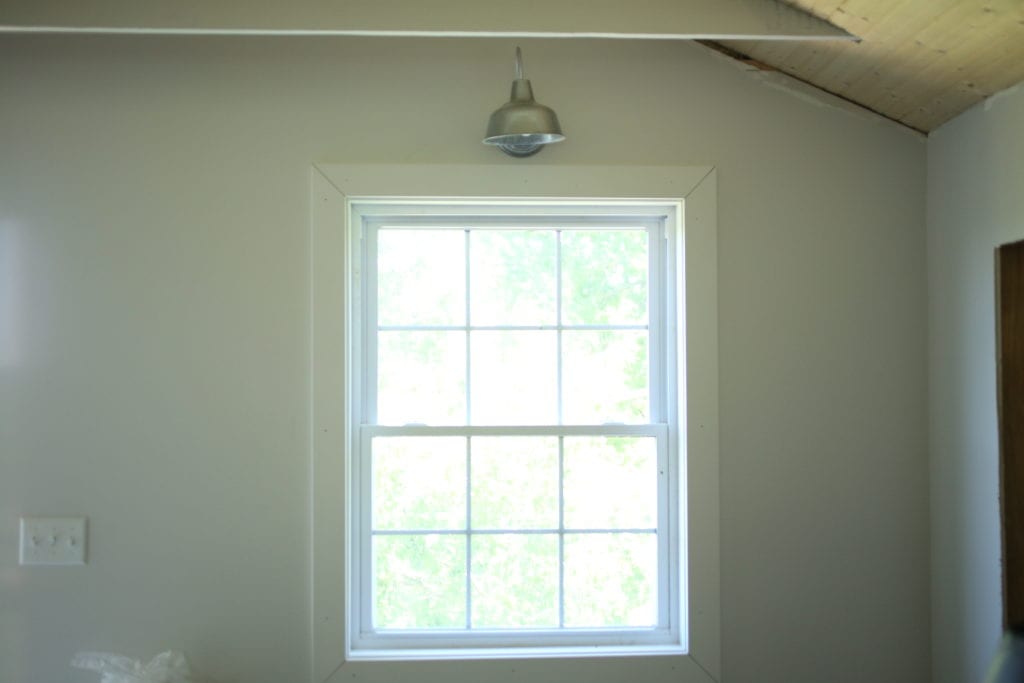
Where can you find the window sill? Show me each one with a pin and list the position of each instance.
(450, 654)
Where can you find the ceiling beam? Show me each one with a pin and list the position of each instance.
(637, 19)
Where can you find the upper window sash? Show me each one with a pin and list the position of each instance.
(373, 218)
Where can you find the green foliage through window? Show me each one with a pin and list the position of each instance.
(493, 327)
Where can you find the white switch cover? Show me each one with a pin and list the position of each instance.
(52, 540)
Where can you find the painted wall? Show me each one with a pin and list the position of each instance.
(975, 203)
(154, 335)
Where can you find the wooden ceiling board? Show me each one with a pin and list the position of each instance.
(919, 62)
(832, 63)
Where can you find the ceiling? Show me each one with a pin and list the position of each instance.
(919, 62)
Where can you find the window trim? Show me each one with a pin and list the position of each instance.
(333, 187)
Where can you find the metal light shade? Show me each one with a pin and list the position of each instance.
(521, 126)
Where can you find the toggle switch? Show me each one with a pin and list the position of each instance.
(52, 540)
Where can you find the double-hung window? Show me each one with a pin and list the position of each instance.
(516, 468)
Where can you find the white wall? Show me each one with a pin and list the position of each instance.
(975, 203)
(155, 327)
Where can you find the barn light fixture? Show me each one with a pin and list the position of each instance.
(521, 126)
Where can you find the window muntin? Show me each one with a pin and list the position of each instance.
(516, 351)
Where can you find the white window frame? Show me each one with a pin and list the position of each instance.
(660, 221)
(335, 189)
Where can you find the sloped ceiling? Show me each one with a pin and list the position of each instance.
(919, 62)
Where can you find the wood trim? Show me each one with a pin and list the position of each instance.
(334, 186)
(1010, 369)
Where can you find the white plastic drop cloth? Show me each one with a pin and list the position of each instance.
(166, 667)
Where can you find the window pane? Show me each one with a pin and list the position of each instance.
(419, 482)
(611, 580)
(604, 376)
(515, 482)
(422, 277)
(420, 581)
(512, 277)
(421, 378)
(604, 277)
(513, 377)
(515, 581)
(611, 482)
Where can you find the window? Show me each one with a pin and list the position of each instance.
(515, 464)
(343, 196)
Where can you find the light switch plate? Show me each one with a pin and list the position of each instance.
(52, 540)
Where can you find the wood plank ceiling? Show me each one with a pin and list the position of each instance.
(920, 62)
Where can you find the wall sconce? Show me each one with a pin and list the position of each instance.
(521, 126)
